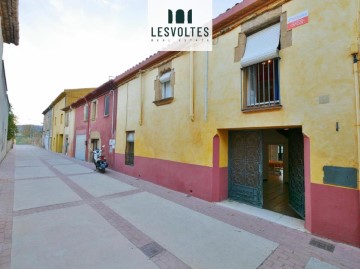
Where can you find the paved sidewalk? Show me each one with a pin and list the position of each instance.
(57, 212)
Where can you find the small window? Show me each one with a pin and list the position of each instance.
(86, 112)
(106, 105)
(129, 151)
(164, 87)
(61, 118)
(93, 110)
(67, 119)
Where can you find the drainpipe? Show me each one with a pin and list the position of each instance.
(357, 102)
(72, 127)
(88, 130)
(354, 52)
(192, 116)
(127, 101)
(141, 100)
(357, 105)
(112, 126)
(206, 89)
(112, 113)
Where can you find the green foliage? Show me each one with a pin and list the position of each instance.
(12, 128)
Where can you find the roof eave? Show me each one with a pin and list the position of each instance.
(99, 91)
(158, 57)
(9, 11)
(242, 12)
(237, 13)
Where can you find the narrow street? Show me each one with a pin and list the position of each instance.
(57, 212)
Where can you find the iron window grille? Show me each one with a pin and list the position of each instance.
(261, 82)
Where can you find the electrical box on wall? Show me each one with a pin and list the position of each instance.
(112, 143)
(340, 176)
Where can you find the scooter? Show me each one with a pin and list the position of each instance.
(99, 160)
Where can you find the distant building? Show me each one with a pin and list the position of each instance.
(95, 122)
(9, 33)
(47, 128)
(54, 136)
(69, 131)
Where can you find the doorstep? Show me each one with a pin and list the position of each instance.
(275, 217)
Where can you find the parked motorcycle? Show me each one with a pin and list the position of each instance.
(99, 160)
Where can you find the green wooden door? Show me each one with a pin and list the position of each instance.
(245, 167)
(296, 171)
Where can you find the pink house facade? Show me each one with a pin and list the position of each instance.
(95, 123)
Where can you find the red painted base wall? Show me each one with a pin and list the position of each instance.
(335, 213)
(204, 182)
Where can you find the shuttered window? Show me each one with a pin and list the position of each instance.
(260, 65)
(262, 46)
(164, 88)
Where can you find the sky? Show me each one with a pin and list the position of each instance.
(69, 44)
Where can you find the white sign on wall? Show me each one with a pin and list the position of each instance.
(112, 143)
(298, 20)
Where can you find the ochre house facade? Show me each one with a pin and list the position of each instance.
(54, 136)
(275, 105)
(282, 76)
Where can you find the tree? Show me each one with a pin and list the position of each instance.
(26, 130)
(12, 128)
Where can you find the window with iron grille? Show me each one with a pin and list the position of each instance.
(130, 148)
(262, 83)
(260, 69)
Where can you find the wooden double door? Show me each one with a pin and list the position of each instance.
(246, 168)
